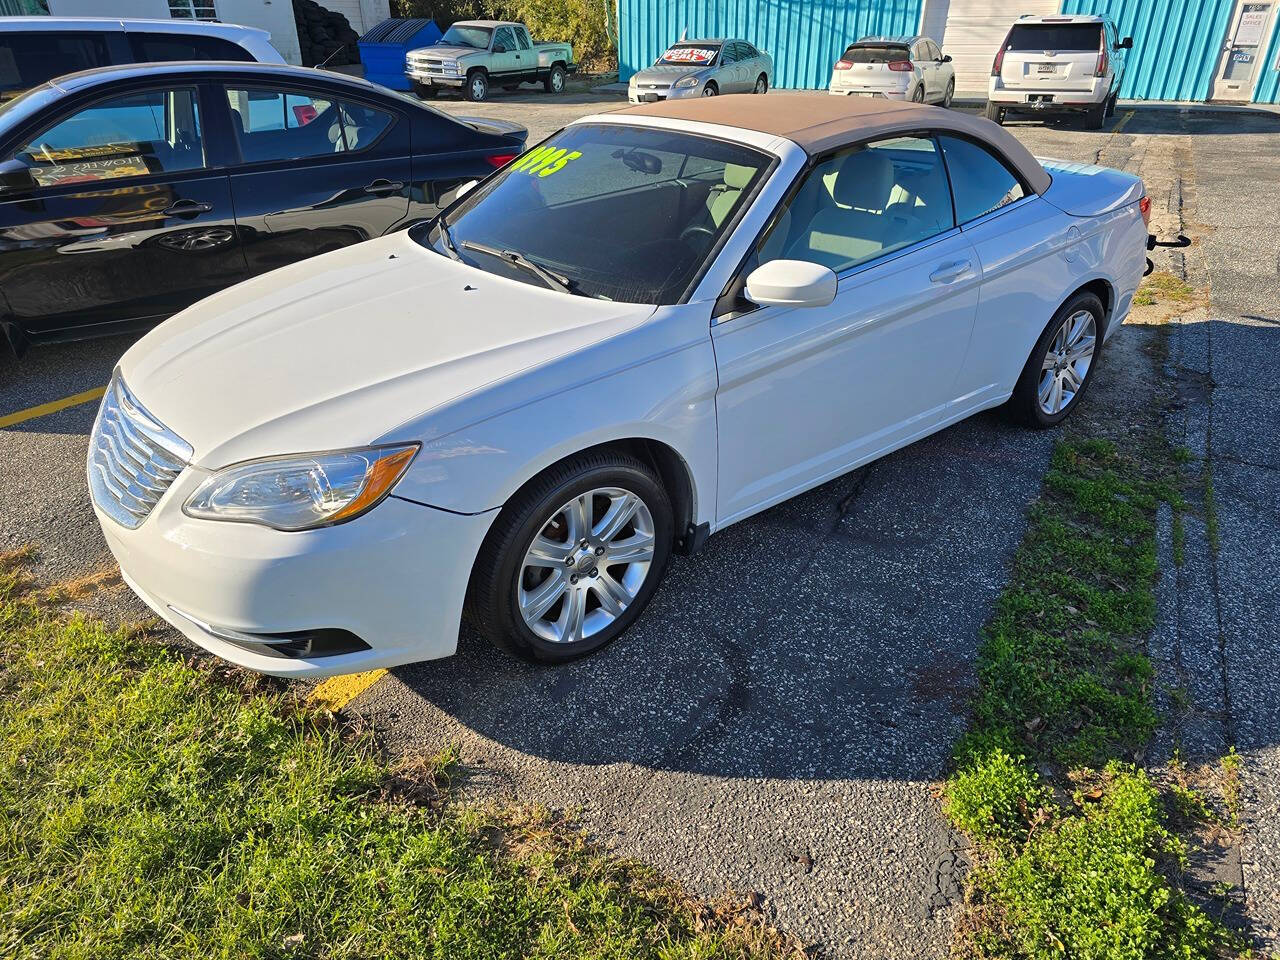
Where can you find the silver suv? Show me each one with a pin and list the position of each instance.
(1064, 64)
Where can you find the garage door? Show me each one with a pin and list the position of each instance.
(971, 31)
(349, 9)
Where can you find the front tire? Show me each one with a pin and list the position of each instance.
(555, 80)
(1061, 365)
(710, 90)
(573, 559)
(477, 88)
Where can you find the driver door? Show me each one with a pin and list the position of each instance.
(113, 213)
(506, 68)
(809, 393)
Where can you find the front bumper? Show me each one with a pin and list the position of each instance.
(434, 79)
(395, 578)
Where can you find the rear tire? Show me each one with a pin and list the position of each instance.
(554, 83)
(1096, 117)
(556, 611)
(1045, 374)
(918, 95)
(762, 84)
(951, 92)
(477, 86)
(995, 113)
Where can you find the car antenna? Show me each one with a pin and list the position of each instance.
(320, 66)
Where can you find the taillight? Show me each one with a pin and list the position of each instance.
(901, 66)
(501, 159)
(999, 61)
(843, 64)
(1101, 70)
(1144, 207)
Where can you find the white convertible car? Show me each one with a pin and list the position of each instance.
(657, 323)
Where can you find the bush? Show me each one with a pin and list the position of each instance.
(994, 798)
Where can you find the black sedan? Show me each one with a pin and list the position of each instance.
(128, 193)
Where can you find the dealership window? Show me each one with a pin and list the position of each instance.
(193, 10)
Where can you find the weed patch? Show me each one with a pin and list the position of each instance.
(150, 809)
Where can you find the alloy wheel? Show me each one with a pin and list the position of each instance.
(708, 91)
(557, 81)
(586, 565)
(762, 85)
(1067, 361)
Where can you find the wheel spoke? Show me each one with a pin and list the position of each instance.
(545, 552)
(634, 549)
(577, 515)
(1073, 379)
(535, 603)
(1050, 361)
(1046, 390)
(1055, 395)
(621, 510)
(613, 596)
(1081, 350)
(572, 616)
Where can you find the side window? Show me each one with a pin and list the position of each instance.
(863, 203)
(729, 54)
(291, 124)
(29, 59)
(160, 47)
(522, 38)
(131, 136)
(504, 39)
(980, 182)
(934, 52)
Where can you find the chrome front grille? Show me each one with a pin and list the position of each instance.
(133, 457)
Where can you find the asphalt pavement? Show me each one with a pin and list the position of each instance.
(777, 720)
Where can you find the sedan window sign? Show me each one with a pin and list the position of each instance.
(689, 55)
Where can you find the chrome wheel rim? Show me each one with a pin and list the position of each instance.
(708, 91)
(1067, 362)
(557, 81)
(477, 88)
(761, 85)
(586, 565)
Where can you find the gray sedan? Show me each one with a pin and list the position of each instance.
(703, 68)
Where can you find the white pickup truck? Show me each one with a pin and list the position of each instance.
(473, 54)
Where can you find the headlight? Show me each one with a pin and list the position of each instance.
(301, 492)
(687, 82)
(449, 66)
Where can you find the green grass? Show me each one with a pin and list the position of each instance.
(152, 807)
(1073, 853)
(1164, 287)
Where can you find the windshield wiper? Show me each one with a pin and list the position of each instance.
(553, 280)
(446, 238)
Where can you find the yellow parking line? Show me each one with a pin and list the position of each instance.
(336, 692)
(1123, 120)
(53, 406)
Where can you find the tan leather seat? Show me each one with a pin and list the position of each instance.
(724, 197)
(853, 228)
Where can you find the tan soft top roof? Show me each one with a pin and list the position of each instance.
(821, 123)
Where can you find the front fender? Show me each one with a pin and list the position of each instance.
(669, 399)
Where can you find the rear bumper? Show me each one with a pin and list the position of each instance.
(1046, 100)
(874, 94)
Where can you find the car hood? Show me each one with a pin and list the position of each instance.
(443, 51)
(341, 350)
(666, 74)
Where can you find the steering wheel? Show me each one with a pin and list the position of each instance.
(693, 230)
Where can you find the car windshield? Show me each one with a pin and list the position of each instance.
(875, 53)
(609, 211)
(1055, 36)
(461, 35)
(690, 55)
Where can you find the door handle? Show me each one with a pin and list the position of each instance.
(950, 271)
(380, 186)
(187, 208)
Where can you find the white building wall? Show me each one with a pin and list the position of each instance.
(971, 31)
(274, 16)
(143, 9)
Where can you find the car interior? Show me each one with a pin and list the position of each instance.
(280, 125)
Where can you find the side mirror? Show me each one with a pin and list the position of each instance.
(463, 190)
(946, 58)
(1126, 43)
(499, 48)
(791, 283)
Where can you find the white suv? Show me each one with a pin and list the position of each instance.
(1058, 65)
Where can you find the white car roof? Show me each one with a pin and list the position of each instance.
(1060, 18)
(491, 24)
(230, 31)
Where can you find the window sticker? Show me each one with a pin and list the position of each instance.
(544, 161)
(689, 55)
